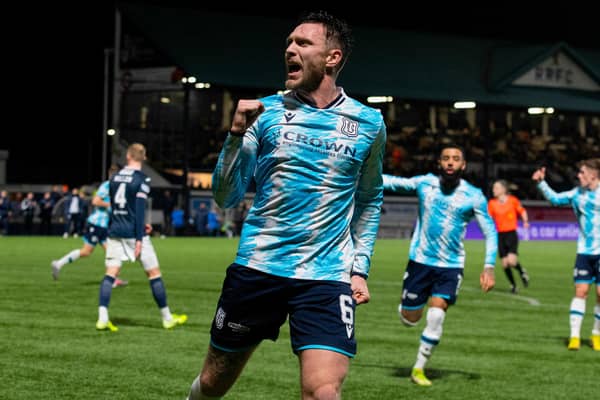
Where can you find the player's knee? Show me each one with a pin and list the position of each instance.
(409, 318)
(582, 290)
(408, 322)
(153, 273)
(112, 271)
(326, 391)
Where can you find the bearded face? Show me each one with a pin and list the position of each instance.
(449, 181)
(306, 57)
(452, 165)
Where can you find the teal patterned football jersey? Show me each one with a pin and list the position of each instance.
(586, 205)
(318, 187)
(442, 220)
(100, 215)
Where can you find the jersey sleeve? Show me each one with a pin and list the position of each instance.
(235, 168)
(140, 208)
(399, 184)
(557, 199)
(487, 226)
(103, 191)
(518, 206)
(367, 206)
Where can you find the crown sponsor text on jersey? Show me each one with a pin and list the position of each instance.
(320, 143)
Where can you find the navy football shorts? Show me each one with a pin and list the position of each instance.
(587, 269)
(423, 281)
(254, 305)
(95, 234)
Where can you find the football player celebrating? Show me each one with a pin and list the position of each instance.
(585, 200)
(437, 256)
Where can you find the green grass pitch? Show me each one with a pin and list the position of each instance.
(494, 346)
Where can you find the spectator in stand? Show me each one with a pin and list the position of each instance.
(5, 212)
(56, 194)
(28, 209)
(16, 205)
(201, 219)
(73, 211)
(168, 207)
(213, 223)
(177, 220)
(46, 205)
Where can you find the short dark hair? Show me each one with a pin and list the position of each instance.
(450, 145)
(338, 31)
(591, 163)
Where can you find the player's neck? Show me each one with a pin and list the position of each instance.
(134, 165)
(325, 94)
(502, 198)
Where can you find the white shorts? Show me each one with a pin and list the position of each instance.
(119, 250)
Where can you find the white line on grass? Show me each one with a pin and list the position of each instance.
(532, 301)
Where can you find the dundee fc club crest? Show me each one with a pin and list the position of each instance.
(349, 127)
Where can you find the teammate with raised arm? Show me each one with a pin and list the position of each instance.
(585, 200)
(437, 256)
(127, 238)
(306, 243)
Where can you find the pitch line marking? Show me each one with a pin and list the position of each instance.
(532, 301)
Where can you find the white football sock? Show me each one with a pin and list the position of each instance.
(166, 313)
(596, 328)
(431, 335)
(102, 314)
(68, 258)
(576, 314)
